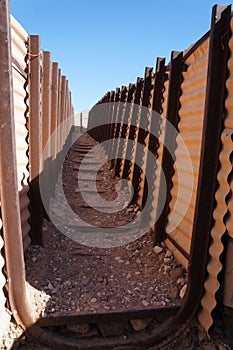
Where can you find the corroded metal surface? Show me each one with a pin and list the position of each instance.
(222, 223)
(190, 126)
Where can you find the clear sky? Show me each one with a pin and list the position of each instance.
(102, 44)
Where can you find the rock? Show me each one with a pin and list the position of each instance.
(177, 273)
(173, 292)
(140, 325)
(50, 286)
(158, 249)
(34, 259)
(168, 254)
(93, 300)
(167, 268)
(166, 260)
(145, 303)
(183, 291)
(83, 328)
(180, 281)
(112, 328)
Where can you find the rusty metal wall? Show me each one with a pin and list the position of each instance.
(223, 213)
(20, 97)
(190, 127)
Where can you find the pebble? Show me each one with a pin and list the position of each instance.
(158, 249)
(141, 324)
(166, 260)
(173, 292)
(181, 281)
(34, 259)
(183, 291)
(93, 300)
(50, 286)
(168, 254)
(145, 303)
(177, 273)
(167, 268)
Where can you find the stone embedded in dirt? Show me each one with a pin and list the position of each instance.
(93, 300)
(177, 273)
(173, 292)
(167, 268)
(112, 328)
(83, 328)
(167, 260)
(183, 291)
(168, 254)
(141, 324)
(181, 281)
(50, 286)
(145, 303)
(158, 249)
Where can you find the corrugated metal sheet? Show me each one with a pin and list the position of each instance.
(223, 213)
(184, 191)
(159, 158)
(19, 52)
(4, 316)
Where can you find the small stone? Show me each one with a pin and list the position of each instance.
(177, 273)
(145, 303)
(173, 292)
(181, 281)
(79, 328)
(112, 328)
(76, 190)
(140, 325)
(167, 268)
(138, 261)
(67, 283)
(183, 291)
(163, 303)
(34, 259)
(137, 273)
(50, 286)
(166, 260)
(158, 249)
(93, 300)
(168, 254)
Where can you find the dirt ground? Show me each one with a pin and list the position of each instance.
(64, 276)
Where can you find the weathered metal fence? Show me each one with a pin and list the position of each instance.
(35, 100)
(193, 94)
(179, 109)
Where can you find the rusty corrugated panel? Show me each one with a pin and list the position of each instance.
(183, 194)
(222, 223)
(4, 316)
(19, 39)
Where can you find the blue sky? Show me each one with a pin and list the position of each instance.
(104, 44)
